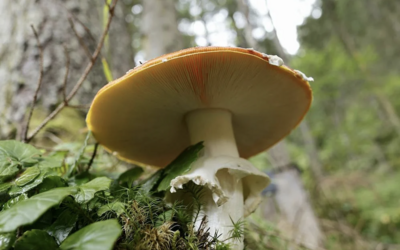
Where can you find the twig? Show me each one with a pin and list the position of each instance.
(39, 84)
(80, 39)
(83, 25)
(93, 156)
(83, 106)
(83, 77)
(66, 75)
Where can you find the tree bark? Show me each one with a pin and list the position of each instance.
(19, 54)
(160, 28)
(295, 216)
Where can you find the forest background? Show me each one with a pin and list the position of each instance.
(335, 178)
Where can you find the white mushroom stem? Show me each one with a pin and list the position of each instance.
(232, 184)
(214, 127)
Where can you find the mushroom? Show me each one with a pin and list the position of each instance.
(238, 101)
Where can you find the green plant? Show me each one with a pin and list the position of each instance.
(51, 200)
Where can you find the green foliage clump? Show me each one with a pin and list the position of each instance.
(54, 201)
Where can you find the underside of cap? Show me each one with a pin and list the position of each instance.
(140, 116)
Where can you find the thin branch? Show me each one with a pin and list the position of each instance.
(84, 26)
(80, 39)
(39, 84)
(93, 156)
(66, 75)
(83, 106)
(83, 77)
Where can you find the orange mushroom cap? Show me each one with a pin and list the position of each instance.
(141, 116)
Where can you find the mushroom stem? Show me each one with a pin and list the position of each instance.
(214, 127)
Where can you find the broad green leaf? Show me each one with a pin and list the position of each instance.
(99, 235)
(50, 183)
(46, 172)
(63, 226)
(14, 201)
(18, 152)
(53, 161)
(150, 183)
(69, 146)
(117, 207)
(27, 176)
(28, 211)
(87, 190)
(81, 179)
(8, 170)
(7, 240)
(131, 175)
(182, 164)
(36, 240)
(4, 187)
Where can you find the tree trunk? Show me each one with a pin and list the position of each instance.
(160, 28)
(295, 216)
(19, 54)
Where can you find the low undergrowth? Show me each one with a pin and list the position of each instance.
(62, 200)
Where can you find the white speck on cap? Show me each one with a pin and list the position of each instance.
(275, 60)
(164, 60)
(309, 79)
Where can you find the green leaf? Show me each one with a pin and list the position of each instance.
(87, 190)
(8, 170)
(117, 207)
(150, 183)
(14, 201)
(7, 240)
(46, 172)
(53, 161)
(63, 226)
(28, 211)
(18, 152)
(57, 162)
(36, 240)
(100, 236)
(131, 175)
(50, 183)
(4, 187)
(81, 179)
(182, 164)
(29, 175)
(106, 70)
(68, 146)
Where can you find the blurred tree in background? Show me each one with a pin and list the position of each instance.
(346, 150)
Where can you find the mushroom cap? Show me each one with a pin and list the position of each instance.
(141, 116)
